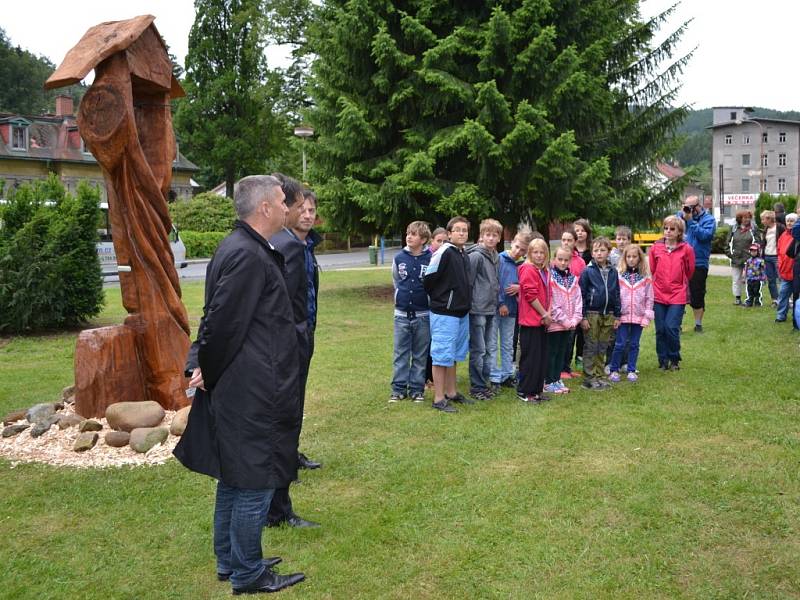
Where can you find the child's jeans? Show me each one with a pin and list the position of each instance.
(595, 344)
(630, 334)
(482, 346)
(412, 344)
(505, 326)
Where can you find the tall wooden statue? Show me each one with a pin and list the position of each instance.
(126, 123)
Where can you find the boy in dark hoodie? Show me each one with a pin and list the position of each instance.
(412, 333)
(485, 281)
(447, 282)
(601, 312)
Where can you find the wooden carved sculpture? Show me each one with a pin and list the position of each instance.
(126, 123)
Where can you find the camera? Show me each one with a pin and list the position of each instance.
(687, 209)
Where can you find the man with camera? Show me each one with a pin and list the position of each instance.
(700, 228)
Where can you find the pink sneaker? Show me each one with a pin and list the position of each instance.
(633, 377)
(613, 377)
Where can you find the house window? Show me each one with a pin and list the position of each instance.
(782, 159)
(745, 186)
(781, 184)
(19, 137)
(782, 137)
(764, 160)
(728, 139)
(733, 115)
(746, 138)
(763, 186)
(745, 160)
(84, 149)
(765, 137)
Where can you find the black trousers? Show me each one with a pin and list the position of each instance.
(280, 508)
(532, 359)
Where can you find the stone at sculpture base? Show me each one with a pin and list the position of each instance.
(106, 370)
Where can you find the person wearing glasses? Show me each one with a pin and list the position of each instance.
(700, 228)
(672, 263)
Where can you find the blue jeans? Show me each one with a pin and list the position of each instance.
(668, 331)
(784, 293)
(482, 346)
(505, 326)
(627, 334)
(239, 518)
(772, 275)
(412, 344)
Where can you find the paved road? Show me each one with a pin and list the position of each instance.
(359, 258)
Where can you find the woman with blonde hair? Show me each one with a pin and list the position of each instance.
(672, 266)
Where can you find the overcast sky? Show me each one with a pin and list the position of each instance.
(744, 56)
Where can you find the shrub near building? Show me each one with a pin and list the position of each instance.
(203, 222)
(49, 272)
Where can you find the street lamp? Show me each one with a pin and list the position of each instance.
(303, 132)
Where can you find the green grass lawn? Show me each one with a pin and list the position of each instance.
(683, 485)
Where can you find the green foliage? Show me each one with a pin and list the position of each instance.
(764, 202)
(22, 77)
(202, 244)
(204, 212)
(532, 111)
(225, 123)
(49, 271)
(719, 243)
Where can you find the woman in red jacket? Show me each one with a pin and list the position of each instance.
(785, 268)
(534, 317)
(671, 266)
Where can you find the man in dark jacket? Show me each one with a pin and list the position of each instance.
(245, 420)
(293, 250)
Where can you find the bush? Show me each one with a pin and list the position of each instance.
(49, 272)
(718, 244)
(202, 244)
(205, 212)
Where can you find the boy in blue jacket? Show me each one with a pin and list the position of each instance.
(412, 333)
(601, 312)
(503, 374)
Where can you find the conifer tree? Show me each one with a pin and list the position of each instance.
(224, 123)
(534, 110)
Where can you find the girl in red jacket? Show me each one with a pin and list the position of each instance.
(534, 317)
(636, 300)
(672, 266)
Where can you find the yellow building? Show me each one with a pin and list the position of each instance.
(33, 147)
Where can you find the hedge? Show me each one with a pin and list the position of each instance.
(49, 272)
(202, 244)
(205, 212)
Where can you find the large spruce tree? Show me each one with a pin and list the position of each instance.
(225, 122)
(532, 110)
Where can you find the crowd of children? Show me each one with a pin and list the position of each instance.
(452, 300)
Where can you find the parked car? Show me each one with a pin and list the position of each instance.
(105, 245)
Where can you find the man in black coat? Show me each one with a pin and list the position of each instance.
(293, 250)
(244, 424)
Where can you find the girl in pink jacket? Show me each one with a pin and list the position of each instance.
(566, 310)
(636, 297)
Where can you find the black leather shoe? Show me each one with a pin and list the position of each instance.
(269, 582)
(268, 563)
(295, 521)
(306, 463)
